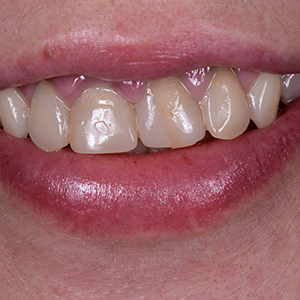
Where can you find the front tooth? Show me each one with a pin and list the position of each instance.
(102, 121)
(264, 98)
(14, 113)
(225, 107)
(49, 119)
(290, 88)
(168, 116)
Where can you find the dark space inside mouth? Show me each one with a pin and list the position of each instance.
(282, 105)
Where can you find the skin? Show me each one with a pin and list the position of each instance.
(251, 254)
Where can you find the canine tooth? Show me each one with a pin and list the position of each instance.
(102, 121)
(264, 98)
(290, 88)
(168, 116)
(225, 107)
(49, 119)
(14, 113)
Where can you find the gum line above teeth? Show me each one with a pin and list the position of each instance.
(104, 117)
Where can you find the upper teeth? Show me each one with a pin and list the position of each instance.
(290, 87)
(14, 113)
(102, 122)
(170, 112)
(263, 99)
(49, 119)
(225, 106)
(168, 116)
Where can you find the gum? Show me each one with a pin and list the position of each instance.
(132, 91)
(72, 86)
(28, 91)
(196, 82)
(246, 78)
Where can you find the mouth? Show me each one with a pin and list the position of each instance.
(178, 191)
(121, 192)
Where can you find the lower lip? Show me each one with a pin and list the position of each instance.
(176, 192)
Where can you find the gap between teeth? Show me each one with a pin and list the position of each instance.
(171, 112)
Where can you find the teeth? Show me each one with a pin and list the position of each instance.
(290, 88)
(102, 121)
(264, 99)
(49, 119)
(168, 116)
(14, 113)
(225, 107)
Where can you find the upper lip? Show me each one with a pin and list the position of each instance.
(113, 58)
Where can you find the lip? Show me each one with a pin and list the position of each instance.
(113, 58)
(176, 192)
(169, 193)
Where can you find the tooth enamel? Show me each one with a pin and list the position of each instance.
(263, 99)
(49, 119)
(14, 113)
(102, 121)
(290, 88)
(225, 107)
(168, 116)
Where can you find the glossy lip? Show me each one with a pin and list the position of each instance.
(169, 193)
